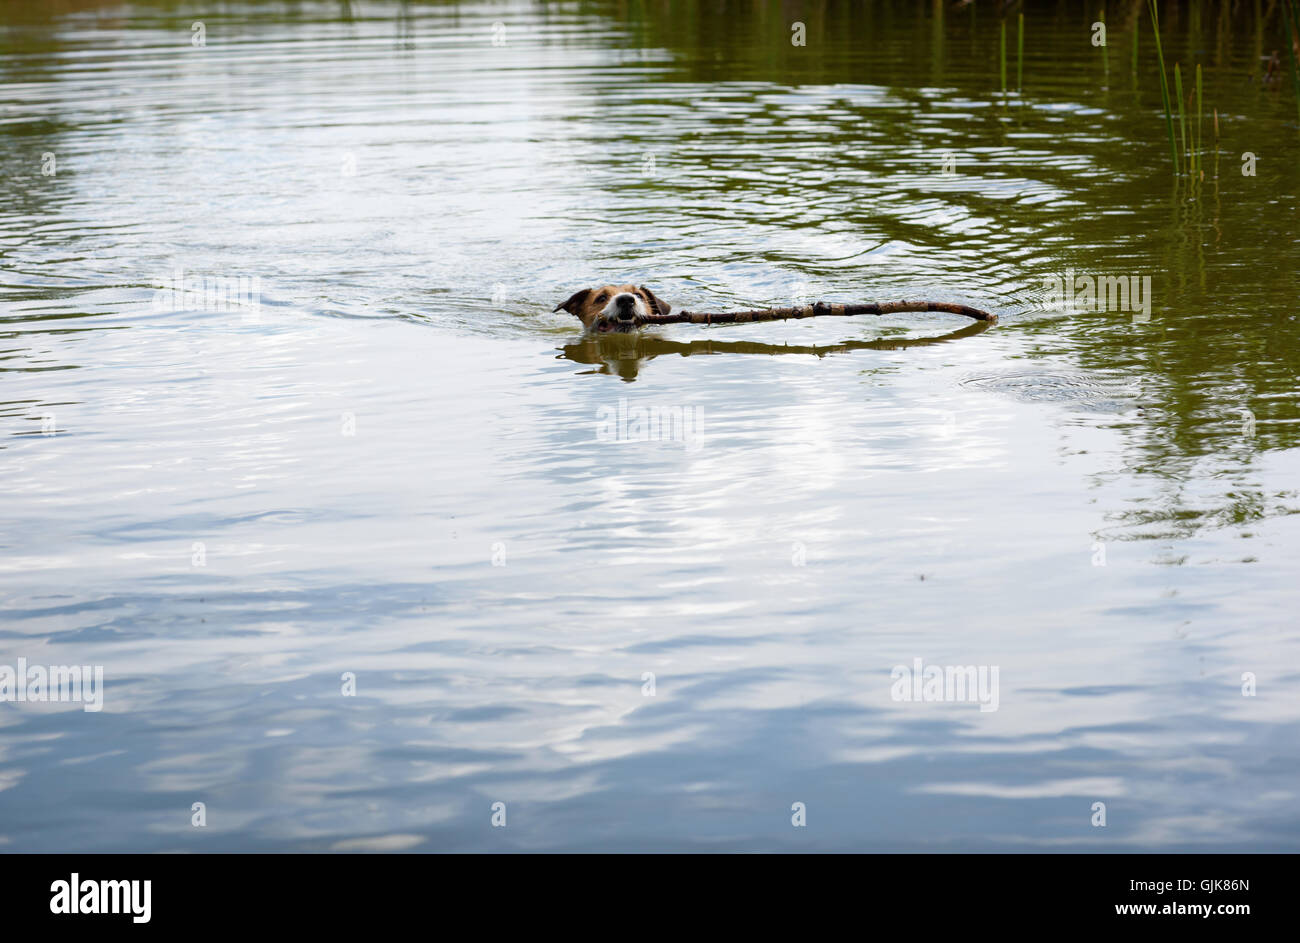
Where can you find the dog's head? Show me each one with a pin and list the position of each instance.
(614, 307)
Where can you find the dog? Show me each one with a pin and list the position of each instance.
(613, 307)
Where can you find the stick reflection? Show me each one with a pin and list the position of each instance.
(624, 355)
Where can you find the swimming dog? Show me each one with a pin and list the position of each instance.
(613, 307)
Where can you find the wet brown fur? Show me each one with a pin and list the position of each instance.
(588, 303)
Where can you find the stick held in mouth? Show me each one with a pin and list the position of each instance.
(820, 309)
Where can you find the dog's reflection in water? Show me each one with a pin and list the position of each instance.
(623, 355)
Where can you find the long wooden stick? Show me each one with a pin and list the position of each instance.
(817, 310)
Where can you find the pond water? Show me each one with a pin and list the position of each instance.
(393, 542)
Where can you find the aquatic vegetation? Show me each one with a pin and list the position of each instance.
(1020, 53)
(1164, 84)
(1196, 154)
(1002, 54)
(1182, 116)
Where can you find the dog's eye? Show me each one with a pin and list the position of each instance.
(602, 296)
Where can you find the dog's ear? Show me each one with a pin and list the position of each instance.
(661, 307)
(575, 302)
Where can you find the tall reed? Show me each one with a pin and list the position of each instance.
(1002, 55)
(1020, 54)
(1105, 46)
(1196, 157)
(1182, 117)
(1137, 23)
(1164, 85)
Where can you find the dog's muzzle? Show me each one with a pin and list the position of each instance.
(625, 308)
